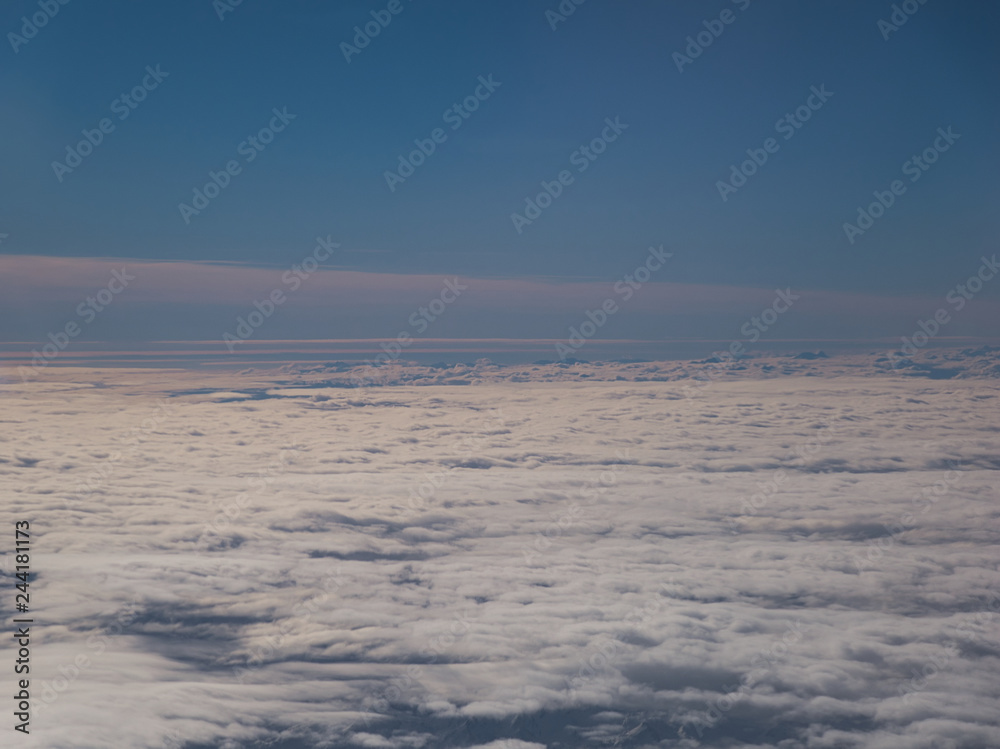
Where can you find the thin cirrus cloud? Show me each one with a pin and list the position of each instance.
(200, 301)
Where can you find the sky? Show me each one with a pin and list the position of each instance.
(692, 92)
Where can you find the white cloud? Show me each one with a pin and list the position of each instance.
(548, 590)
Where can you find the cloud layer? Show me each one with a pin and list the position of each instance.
(188, 301)
(244, 562)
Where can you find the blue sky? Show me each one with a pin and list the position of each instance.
(657, 183)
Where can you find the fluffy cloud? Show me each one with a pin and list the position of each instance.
(272, 559)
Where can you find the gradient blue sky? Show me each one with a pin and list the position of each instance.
(656, 185)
